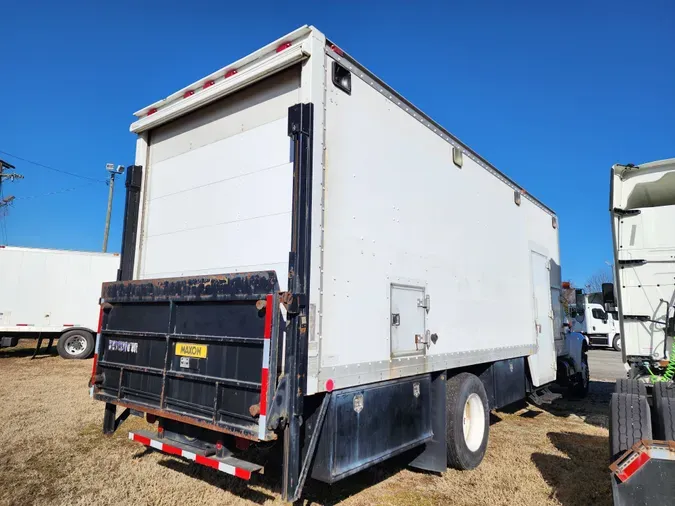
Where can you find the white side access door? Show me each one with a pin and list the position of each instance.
(543, 363)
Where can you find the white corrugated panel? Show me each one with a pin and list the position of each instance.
(219, 186)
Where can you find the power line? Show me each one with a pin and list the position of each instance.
(56, 192)
(52, 168)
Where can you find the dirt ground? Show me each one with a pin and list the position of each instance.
(52, 452)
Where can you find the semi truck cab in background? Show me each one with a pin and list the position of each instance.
(642, 409)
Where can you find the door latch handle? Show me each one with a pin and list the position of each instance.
(425, 303)
(395, 319)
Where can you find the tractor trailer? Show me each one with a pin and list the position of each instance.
(51, 294)
(339, 279)
(642, 409)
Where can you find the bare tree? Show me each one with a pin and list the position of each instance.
(595, 281)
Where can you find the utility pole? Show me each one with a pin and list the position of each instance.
(4, 175)
(4, 166)
(110, 167)
(6, 201)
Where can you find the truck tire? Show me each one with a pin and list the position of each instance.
(76, 344)
(468, 421)
(664, 410)
(630, 386)
(616, 343)
(583, 380)
(629, 421)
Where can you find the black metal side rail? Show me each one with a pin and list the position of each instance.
(181, 374)
(186, 337)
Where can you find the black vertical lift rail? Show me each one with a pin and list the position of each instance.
(126, 269)
(300, 127)
(130, 227)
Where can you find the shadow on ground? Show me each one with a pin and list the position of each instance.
(314, 493)
(581, 476)
(28, 352)
(593, 409)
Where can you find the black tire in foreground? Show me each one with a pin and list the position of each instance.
(629, 422)
(583, 380)
(630, 386)
(664, 410)
(468, 424)
(76, 344)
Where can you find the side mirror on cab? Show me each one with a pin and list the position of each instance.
(608, 293)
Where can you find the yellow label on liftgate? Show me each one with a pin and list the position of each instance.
(191, 350)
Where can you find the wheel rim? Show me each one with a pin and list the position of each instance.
(473, 422)
(617, 343)
(75, 345)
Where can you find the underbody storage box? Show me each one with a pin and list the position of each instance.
(368, 424)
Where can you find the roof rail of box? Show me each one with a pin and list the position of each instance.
(273, 57)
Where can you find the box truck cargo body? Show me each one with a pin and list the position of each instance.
(52, 294)
(306, 251)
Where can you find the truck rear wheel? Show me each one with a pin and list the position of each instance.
(583, 380)
(468, 423)
(616, 343)
(629, 421)
(76, 344)
(664, 410)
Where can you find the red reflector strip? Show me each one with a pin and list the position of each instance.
(632, 467)
(244, 474)
(68, 324)
(268, 315)
(264, 377)
(230, 73)
(263, 392)
(100, 320)
(24, 324)
(188, 93)
(139, 439)
(283, 46)
(152, 111)
(207, 84)
(337, 50)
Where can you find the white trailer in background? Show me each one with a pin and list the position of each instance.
(642, 410)
(52, 294)
(414, 286)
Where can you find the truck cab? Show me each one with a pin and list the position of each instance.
(590, 318)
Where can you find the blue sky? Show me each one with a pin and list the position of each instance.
(552, 93)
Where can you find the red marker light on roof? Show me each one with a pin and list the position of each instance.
(337, 50)
(230, 73)
(283, 46)
(207, 84)
(188, 93)
(152, 111)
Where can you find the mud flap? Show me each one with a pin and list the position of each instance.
(434, 456)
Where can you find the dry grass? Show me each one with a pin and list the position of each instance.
(53, 453)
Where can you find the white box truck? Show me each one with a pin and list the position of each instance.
(51, 294)
(642, 409)
(309, 258)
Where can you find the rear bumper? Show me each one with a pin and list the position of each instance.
(230, 465)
